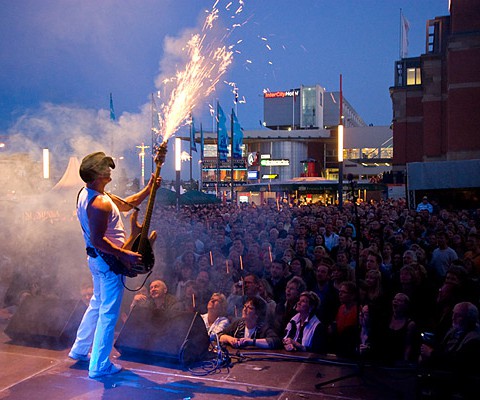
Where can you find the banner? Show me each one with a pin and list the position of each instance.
(112, 112)
(222, 134)
(237, 137)
(404, 28)
(193, 145)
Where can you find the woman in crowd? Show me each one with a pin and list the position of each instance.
(343, 331)
(397, 342)
(251, 329)
(305, 332)
(216, 316)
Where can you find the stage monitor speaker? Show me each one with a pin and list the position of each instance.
(46, 322)
(180, 337)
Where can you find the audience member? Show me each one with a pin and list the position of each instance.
(251, 329)
(305, 332)
(215, 318)
(285, 310)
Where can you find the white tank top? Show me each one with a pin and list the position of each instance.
(115, 230)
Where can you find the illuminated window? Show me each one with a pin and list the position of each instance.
(308, 107)
(414, 76)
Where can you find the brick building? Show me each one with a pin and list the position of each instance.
(436, 97)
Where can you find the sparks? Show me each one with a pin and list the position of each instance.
(205, 65)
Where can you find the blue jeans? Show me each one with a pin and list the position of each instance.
(97, 328)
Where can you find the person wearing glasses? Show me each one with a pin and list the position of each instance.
(251, 329)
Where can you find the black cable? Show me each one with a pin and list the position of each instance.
(141, 286)
(223, 360)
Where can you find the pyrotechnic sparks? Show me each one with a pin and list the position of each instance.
(207, 61)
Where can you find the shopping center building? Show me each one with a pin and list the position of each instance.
(296, 154)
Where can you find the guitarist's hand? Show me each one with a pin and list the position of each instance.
(154, 183)
(135, 227)
(130, 259)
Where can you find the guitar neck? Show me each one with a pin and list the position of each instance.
(149, 210)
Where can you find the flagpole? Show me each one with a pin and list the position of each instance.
(152, 108)
(192, 133)
(340, 149)
(218, 154)
(231, 157)
(235, 98)
(200, 181)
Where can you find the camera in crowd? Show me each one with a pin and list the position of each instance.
(428, 338)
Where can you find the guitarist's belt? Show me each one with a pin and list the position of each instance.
(91, 252)
(115, 265)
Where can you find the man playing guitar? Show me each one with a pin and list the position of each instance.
(103, 230)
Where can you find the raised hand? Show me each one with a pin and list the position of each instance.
(135, 227)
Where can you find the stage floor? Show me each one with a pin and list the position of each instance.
(29, 372)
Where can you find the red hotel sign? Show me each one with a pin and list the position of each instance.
(290, 93)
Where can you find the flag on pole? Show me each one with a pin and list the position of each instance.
(237, 137)
(193, 145)
(222, 134)
(112, 111)
(404, 28)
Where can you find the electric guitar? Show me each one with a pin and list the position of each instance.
(141, 243)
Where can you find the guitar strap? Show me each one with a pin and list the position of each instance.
(115, 197)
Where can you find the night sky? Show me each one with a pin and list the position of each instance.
(61, 59)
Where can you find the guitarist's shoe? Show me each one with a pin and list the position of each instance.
(112, 369)
(78, 357)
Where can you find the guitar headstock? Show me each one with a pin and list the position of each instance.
(161, 152)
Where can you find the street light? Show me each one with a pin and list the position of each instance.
(142, 161)
(178, 166)
(340, 166)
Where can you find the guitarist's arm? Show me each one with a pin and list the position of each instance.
(98, 212)
(137, 198)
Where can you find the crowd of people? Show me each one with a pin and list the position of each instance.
(365, 280)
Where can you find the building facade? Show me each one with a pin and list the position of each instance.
(436, 96)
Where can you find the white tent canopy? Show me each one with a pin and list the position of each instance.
(71, 178)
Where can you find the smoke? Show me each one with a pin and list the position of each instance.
(43, 252)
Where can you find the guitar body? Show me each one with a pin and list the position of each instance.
(148, 258)
(116, 265)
